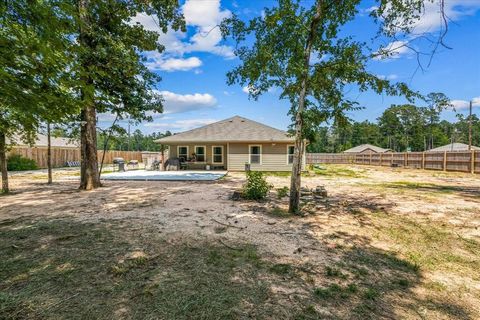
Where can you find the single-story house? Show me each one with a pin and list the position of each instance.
(42, 141)
(456, 146)
(366, 148)
(232, 144)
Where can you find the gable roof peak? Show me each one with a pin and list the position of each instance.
(236, 129)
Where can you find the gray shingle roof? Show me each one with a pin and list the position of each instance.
(364, 147)
(233, 129)
(456, 146)
(41, 141)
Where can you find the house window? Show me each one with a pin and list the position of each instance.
(290, 154)
(183, 152)
(200, 153)
(256, 154)
(217, 152)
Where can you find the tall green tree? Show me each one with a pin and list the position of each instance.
(33, 61)
(112, 77)
(436, 103)
(276, 51)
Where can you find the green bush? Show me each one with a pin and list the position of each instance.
(282, 192)
(16, 162)
(256, 187)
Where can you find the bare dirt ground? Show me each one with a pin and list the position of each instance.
(386, 243)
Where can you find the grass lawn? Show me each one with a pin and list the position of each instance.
(386, 244)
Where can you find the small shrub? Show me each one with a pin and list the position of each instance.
(282, 192)
(16, 162)
(256, 187)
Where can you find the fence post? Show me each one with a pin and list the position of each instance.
(423, 160)
(405, 160)
(370, 159)
(381, 159)
(445, 161)
(472, 161)
(391, 161)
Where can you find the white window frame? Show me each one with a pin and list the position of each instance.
(250, 153)
(213, 154)
(178, 151)
(288, 146)
(204, 154)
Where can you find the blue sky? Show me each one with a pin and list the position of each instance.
(193, 67)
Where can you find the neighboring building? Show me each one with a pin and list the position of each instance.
(231, 144)
(366, 148)
(456, 146)
(41, 141)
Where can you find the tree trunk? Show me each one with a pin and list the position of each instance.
(49, 154)
(162, 149)
(3, 162)
(89, 177)
(295, 182)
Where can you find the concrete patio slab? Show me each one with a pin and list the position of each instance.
(144, 175)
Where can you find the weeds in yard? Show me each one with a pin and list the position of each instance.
(53, 269)
(337, 171)
(280, 213)
(282, 192)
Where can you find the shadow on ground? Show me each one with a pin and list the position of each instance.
(59, 268)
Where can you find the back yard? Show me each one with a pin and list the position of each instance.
(387, 244)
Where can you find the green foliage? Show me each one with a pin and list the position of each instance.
(276, 56)
(282, 192)
(16, 162)
(399, 127)
(256, 187)
(119, 140)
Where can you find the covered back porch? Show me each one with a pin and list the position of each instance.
(197, 156)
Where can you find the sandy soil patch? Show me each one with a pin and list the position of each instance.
(382, 214)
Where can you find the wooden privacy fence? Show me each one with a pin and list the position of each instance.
(462, 161)
(61, 155)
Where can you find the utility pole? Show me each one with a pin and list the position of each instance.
(470, 128)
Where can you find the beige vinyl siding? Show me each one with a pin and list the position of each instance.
(208, 152)
(274, 157)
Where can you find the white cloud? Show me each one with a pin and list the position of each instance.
(179, 103)
(104, 117)
(431, 20)
(180, 125)
(388, 77)
(156, 62)
(393, 50)
(204, 17)
(367, 11)
(464, 104)
(251, 89)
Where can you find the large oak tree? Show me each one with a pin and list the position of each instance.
(111, 73)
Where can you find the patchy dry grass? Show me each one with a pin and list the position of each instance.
(421, 186)
(336, 171)
(58, 268)
(385, 244)
(430, 245)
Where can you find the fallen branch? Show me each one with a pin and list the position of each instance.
(227, 224)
